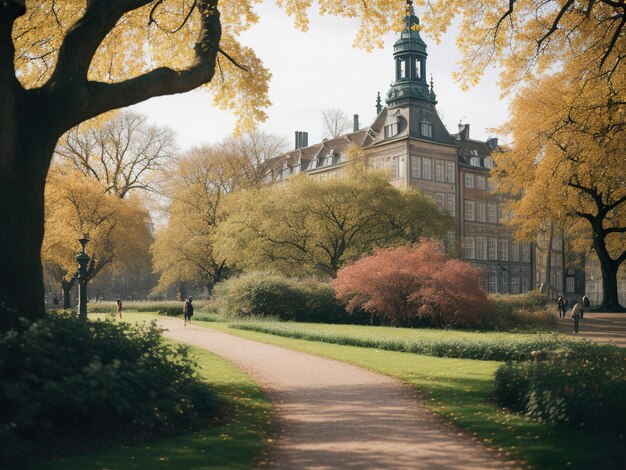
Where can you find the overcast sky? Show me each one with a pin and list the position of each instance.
(321, 69)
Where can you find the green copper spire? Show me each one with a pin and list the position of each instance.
(410, 55)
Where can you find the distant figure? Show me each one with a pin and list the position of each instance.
(560, 303)
(576, 314)
(586, 304)
(119, 307)
(188, 310)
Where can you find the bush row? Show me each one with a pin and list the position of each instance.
(287, 299)
(268, 295)
(494, 350)
(64, 378)
(583, 387)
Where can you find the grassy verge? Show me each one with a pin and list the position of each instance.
(232, 444)
(459, 391)
(440, 343)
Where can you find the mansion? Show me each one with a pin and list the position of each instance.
(409, 140)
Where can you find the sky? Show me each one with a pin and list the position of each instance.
(320, 69)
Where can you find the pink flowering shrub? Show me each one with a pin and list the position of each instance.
(403, 284)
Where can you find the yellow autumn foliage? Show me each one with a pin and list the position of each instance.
(77, 205)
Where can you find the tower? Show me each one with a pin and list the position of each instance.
(409, 53)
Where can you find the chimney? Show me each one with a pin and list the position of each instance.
(464, 131)
(492, 142)
(355, 123)
(302, 139)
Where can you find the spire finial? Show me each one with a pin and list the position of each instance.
(379, 107)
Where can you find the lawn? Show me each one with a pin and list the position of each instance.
(459, 391)
(234, 443)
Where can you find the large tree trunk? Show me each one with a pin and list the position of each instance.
(609, 267)
(25, 153)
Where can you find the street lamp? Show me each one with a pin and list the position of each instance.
(82, 260)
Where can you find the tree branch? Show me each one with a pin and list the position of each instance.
(101, 97)
(84, 37)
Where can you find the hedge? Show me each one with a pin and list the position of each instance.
(66, 378)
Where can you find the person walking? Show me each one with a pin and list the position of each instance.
(119, 307)
(576, 309)
(188, 311)
(585, 302)
(560, 303)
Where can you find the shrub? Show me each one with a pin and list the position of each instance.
(270, 295)
(582, 385)
(519, 311)
(67, 378)
(404, 284)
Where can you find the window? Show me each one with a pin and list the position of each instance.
(379, 164)
(439, 170)
(480, 182)
(489, 186)
(426, 129)
(451, 204)
(525, 248)
(492, 248)
(403, 73)
(394, 168)
(515, 285)
(481, 248)
(391, 130)
(515, 251)
(570, 284)
(469, 210)
(480, 211)
(439, 199)
(416, 167)
(503, 249)
(469, 180)
(492, 212)
(427, 168)
(468, 244)
(418, 68)
(492, 284)
(503, 286)
(500, 213)
(450, 241)
(450, 172)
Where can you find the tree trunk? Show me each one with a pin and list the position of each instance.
(609, 267)
(67, 288)
(26, 148)
(610, 298)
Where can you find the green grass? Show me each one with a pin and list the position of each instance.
(456, 389)
(431, 342)
(232, 444)
(459, 391)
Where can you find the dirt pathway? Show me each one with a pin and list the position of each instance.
(601, 327)
(338, 416)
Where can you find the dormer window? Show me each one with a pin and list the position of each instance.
(391, 130)
(426, 129)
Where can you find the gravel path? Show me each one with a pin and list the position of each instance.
(333, 415)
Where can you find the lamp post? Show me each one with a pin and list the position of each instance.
(82, 260)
